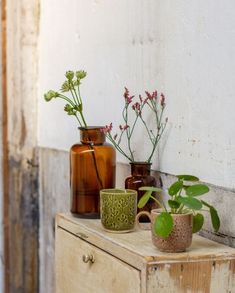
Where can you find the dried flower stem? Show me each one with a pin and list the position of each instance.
(156, 106)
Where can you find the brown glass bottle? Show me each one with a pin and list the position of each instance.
(141, 176)
(92, 167)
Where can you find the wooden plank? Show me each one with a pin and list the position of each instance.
(54, 197)
(5, 169)
(210, 277)
(21, 198)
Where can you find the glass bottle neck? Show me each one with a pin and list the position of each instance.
(140, 168)
(92, 135)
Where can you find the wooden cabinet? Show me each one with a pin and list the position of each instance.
(89, 260)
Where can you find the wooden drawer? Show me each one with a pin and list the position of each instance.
(106, 275)
(128, 262)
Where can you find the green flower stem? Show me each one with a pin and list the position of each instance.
(130, 125)
(123, 114)
(78, 120)
(71, 91)
(120, 138)
(96, 167)
(156, 142)
(153, 107)
(83, 119)
(179, 210)
(128, 133)
(66, 99)
(79, 95)
(146, 127)
(156, 114)
(162, 205)
(133, 127)
(75, 97)
(78, 103)
(117, 146)
(129, 145)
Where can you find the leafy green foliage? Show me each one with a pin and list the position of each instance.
(150, 188)
(187, 178)
(144, 199)
(163, 224)
(173, 204)
(215, 219)
(198, 221)
(190, 202)
(175, 188)
(182, 200)
(196, 190)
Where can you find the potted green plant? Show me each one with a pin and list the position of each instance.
(172, 226)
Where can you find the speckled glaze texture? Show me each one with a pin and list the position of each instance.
(118, 208)
(181, 236)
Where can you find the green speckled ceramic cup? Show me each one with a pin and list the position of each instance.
(118, 208)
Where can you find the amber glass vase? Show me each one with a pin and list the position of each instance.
(92, 168)
(141, 176)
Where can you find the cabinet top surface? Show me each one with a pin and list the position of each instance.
(138, 244)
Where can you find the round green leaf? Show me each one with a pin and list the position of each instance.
(150, 188)
(190, 202)
(196, 190)
(198, 221)
(187, 177)
(215, 219)
(144, 199)
(163, 224)
(175, 187)
(173, 204)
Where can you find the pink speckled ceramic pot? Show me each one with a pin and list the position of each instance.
(181, 236)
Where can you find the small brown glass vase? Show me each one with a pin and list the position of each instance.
(141, 176)
(92, 168)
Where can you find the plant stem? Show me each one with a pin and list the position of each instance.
(162, 205)
(146, 127)
(79, 95)
(83, 119)
(71, 91)
(96, 167)
(66, 99)
(158, 137)
(128, 132)
(118, 147)
(75, 94)
(78, 120)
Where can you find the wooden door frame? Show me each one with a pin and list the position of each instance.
(20, 30)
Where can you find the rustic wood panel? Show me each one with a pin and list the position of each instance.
(4, 143)
(54, 197)
(2, 94)
(21, 167)
(188, 277)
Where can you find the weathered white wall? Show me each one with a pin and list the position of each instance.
(114, 41)
(184, 48)
(1, 171)
(196, 67)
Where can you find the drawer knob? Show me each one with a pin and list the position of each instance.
(88, 258)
